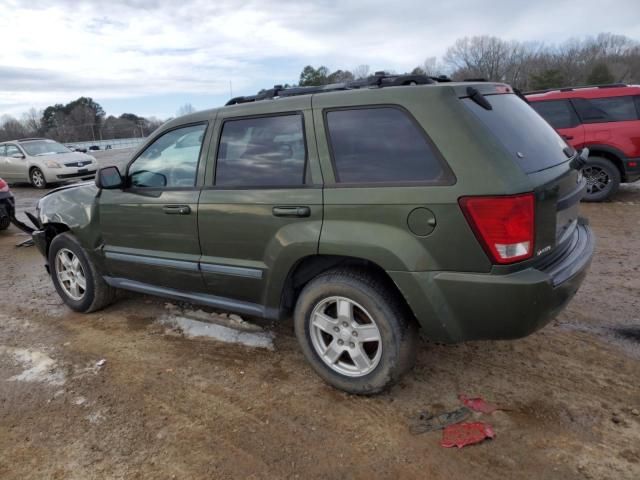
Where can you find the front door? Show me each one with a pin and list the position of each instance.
(150, 228)
(263, 211)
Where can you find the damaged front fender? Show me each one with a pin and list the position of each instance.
(71, 208)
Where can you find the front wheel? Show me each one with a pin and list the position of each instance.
(603, 179)
(76, 279)
(355, 331)
(37, 178)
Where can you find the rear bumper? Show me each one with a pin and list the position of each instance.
(631, 169)
(454, 307)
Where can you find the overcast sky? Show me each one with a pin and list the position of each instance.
(149, 57)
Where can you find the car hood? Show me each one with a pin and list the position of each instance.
(66, 157)
(84, 185)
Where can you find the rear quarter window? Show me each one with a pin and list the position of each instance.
(382, 145)
(530, 140)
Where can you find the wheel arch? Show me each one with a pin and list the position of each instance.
(610, 153)
(309, 267)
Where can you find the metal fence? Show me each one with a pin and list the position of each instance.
(115, 143)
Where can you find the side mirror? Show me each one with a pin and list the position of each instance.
(17, 155)
(109, 178)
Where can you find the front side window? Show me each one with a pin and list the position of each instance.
(171, 161)
(559, 113)
(262, 151)
(12, 150)
(611, 109)
(381, 145)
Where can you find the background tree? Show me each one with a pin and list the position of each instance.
(600, 74)
(185, 109)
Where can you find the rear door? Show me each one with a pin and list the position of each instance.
(562, 116)
(261, 210)
(150, 228)
(16, 167)
(611, 121)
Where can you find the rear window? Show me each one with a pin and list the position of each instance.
(559, 113)
(532, 142)
(382, 145)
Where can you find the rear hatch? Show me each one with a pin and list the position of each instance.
(542, 154)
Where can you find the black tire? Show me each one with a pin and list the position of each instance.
(397, 328)
(4, 223)
(37, 179)
(603, 179)
(97, 293)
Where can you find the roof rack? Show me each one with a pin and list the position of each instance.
(378, 80)
(570, 89)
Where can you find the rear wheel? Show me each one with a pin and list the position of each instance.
(355, 331)
(4, 223)
(603, 179)
(37, 178)
(76, 279)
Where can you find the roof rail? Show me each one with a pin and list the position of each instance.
(378, 80)
(29, 139)
(570, 89)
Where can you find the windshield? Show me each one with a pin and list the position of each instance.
(43, 147)
(534, 144)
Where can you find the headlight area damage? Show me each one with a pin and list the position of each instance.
(69, 208)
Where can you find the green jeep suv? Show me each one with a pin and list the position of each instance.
(368, 210)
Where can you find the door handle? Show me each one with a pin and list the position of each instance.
(177, 209)
(567, 137)
(291, 211)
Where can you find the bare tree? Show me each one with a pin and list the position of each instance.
(185, 109)
(361, 71)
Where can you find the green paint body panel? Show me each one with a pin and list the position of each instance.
(232, 246)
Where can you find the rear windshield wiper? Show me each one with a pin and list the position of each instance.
(478, 98)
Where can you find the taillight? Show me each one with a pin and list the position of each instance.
(3, 186)
(504, 225)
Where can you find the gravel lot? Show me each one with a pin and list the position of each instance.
(165, 405)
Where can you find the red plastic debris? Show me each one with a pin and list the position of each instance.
(462, 434)
(477, 404)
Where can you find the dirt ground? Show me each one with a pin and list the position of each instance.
(167, 406)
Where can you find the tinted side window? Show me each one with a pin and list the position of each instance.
(382, 145)
(171, 160)
(264, 151)
(2, 150)
(611, 109)
(559, 113)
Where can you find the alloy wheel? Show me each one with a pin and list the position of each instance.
(597, 179)
(70, 274)
(37, 178)
(345, 336)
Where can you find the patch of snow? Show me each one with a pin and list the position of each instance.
(39, 366)
(225, 333)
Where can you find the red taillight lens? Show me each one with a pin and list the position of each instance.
(504, 225)
(3, 186)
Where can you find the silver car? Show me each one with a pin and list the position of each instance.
(41, 161)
